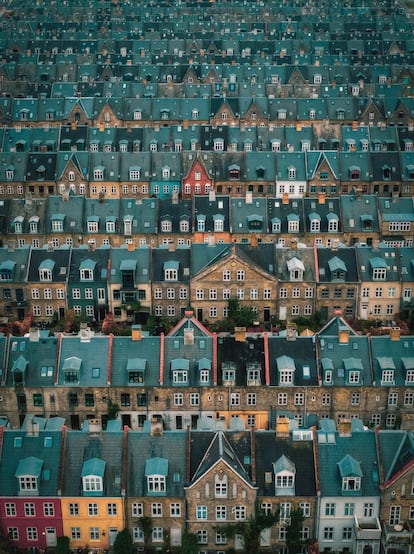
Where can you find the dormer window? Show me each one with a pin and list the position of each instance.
(285, 474)
(333, 223)
(137, 115)
(71, 369)
(354, 173)
(92, 477)
(275, 144)
(276, 225)
(156, 471)
(337, 268)
(387, 368)
(353, 371)
(379, 269)
(46, 270)
(291, 172)
(171, 270)
(98, 173)
(179, 369)
(57, 223)
(229, 373)
(234, 172)
(351, 474)
(10, 173)
(386, 173)
(28, 474)
(204, 368)
(184, 226)
(255, 222)
(286, 370)
(220, 486)
(18, 224)
(201, 223)
(6, 270)
(293, 223)
(128, 225)
(166, 172)
(166, 226)
(110, 224)
(93, 224)
(296, 269)
(315, 222)
(218, 145)
(134, 173)
(86, 270)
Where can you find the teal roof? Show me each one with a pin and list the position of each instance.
(136, 364)
(377, 262)
(353, 363)
(93, 466)
(180, 363)
(348, 466)
(284, 464)
(336, 264)
(156, 466)
(128, 265)
(285, 362)
(47, 264)
(29, 466)
(72, 363)
(87, 264)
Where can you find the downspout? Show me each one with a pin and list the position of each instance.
(266, 357)
(161, 379)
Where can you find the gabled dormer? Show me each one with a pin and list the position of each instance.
(18, 370)
(7, 270)
(296, 269)
(353, 369)
(28, 474)
(156, 473)
(71, 369)
(337, 269)
(46, 270)
(351, 475)
(93, 471)
(204, 371)
(136, 368)
(285, 476)
(286, 370)
(171, 270)
(86, 270)
(378, 269)
(387, 370)
(180, 371)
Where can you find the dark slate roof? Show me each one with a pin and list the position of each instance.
(59, 258)
(397, 355)
(123, 349)
(302, 351)
(326, 262)
(40, 353)
(270, 448)
(94, 353)
(207, 448)
(396, 451)
(142, 446)
(18, 445)
(240, 353)
(81, 446)
(361, 446)
(164, 255)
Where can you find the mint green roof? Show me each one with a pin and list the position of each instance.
(128, 265)
(180, 363)
(93, 466)
(87, 264)
(408, 363)
(327, 364)
(336, 264)
(284, 464)
(385, 362)
(20, 364)
(47, 264)
(7, 265)
(353, 363)
(72, 363)
(348, 466)
(156, 466)
(29, 466)
(377, 262)
(171, 264)
(285, 362)
(136, 364)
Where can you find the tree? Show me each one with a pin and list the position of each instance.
(113, 409)
(294, 542)
(145, 522)
(240, 316)
(62, 545)
(251, 529)
(189, 543)
(123, 542)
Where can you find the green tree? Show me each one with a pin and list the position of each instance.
(62, 545)
(145, 522)
(240, 316)
(113, 409)
(189, 543)
(251, 529)
(293, 538)
(123, 543)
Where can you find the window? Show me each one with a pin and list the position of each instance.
(13, 533)
(347, 533)
(194, 399)
(202, 537)
(112, 509)
(349, 508)
(351, 483)
(92, 509)
(48, 509)
(355, 399)
(137, 509)
(29, 509)
(368, 509)
(73, 509)
(31, 533)
(299, 398)
(285, 482)
(201, 512)
(178, 399)
(175, 509)
(156, 509)
(235, 399)
(220, 486)
(395, 512)
(94, 533)
(240, 275)
(221, 512)
(220, 538)
(392, 399)
(305, 507)
(75, 533)
(239, 513)
(282, 398)
(326, 399)
(10, 509)
(28, 483)
(92, 483)
(328, 533)
(251, 399)
(330, 509)
(156, 483)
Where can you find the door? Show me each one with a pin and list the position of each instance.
(126, 420)
(50, 536)
(113, 531)
(364, 311)
(74, 422)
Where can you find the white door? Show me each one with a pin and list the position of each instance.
(51, 536)
(113, 531)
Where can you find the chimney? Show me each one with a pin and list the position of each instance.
(282, 426)
(294, 244)
(291, 332)
(240, 334)
(253, 240)
(34, 334)
(344, 427)
(321, 198)
(395, 333)
(343, 336)
(136, 332)
(285, 198)
(188, 337)
(156, 427)
(171, 246)
(131, 246)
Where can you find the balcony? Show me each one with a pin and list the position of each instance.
(367, 529)
(396, 539)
